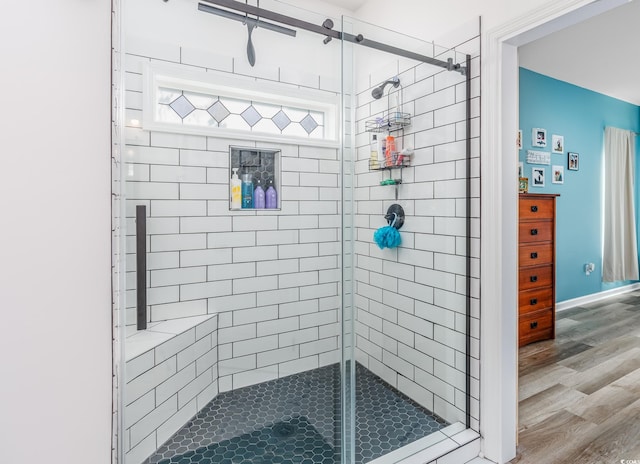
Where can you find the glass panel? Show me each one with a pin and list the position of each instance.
(251, 116)
(199, 118)
(288, 335)
(240, 361)
(295, 130)
(267, 111)
(235, 106)
(266, 125)
(235, 121)
(199, 100)
(182, 106)
(218, 111)
(295, 114)
(167, 95)
(281, 120)
(409, 357)
(347, 152)
(167, 114)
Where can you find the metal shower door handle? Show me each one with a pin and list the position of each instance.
(141, 267)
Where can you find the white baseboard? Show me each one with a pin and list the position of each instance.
(562, 305)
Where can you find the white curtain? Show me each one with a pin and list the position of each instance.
(620, 254)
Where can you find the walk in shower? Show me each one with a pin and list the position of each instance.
(282, 331)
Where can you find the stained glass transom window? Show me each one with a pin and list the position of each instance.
(196, 109)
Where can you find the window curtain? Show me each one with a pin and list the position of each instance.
(620, 253)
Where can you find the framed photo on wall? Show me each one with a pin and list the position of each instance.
(574, 161)
(537, 177)
(558, 174)
(519, 140)
(557, 143)
(524, 185)
(538, 137)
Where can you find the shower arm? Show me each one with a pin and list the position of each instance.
(322, 30)
(378, 92)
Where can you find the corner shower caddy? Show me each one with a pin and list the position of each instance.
(393, 120)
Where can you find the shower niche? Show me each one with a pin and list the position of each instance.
(256, 168)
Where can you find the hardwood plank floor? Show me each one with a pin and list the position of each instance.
(580, 393)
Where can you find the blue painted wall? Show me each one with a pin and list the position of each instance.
(579, 115)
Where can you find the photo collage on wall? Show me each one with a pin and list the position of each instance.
(535, 176)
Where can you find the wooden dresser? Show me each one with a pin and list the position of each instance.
(536, 267)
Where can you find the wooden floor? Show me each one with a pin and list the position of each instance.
(580, 393)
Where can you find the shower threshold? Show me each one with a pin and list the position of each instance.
(296, 419)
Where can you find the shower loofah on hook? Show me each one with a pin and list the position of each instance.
(387, 236)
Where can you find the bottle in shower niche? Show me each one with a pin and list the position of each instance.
(271, 201)
(247, 191)
(236, 190)
(259, 197)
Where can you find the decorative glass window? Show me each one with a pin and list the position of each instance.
(213, 104)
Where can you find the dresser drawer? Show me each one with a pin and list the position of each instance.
(535, 231)
(536, 208)
(535, 300)
(535, 277)
(536, 254)
(535, 326)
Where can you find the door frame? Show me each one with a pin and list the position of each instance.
(498, 212)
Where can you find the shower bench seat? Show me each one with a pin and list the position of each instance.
(171, 373)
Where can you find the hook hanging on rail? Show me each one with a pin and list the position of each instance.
(251, 24)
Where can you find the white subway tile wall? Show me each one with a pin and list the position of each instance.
(410, 302)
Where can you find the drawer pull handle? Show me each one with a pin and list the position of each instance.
(534, 324)
(533, 301)
(534, 278)
(534, 209)
(534, 231)
(534, 255)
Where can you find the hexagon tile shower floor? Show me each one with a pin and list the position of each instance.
(296, 420)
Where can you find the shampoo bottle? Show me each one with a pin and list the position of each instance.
(259, 197)
(247, 191)
(373, 159)
(236, 190)
(271, 201)
(382, 148)
(391, 150)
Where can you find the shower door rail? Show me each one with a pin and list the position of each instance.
(326, 30)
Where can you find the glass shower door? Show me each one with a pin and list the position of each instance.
(286, 334)
(240, 357)
(406, 154)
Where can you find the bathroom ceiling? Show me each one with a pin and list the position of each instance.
(600, 54)
(352, 5)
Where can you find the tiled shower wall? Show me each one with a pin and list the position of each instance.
(272, 277)
(410, 326)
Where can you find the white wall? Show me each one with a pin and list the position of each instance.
(438, 20)
(55, 348)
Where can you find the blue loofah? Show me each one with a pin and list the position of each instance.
(387, 237)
